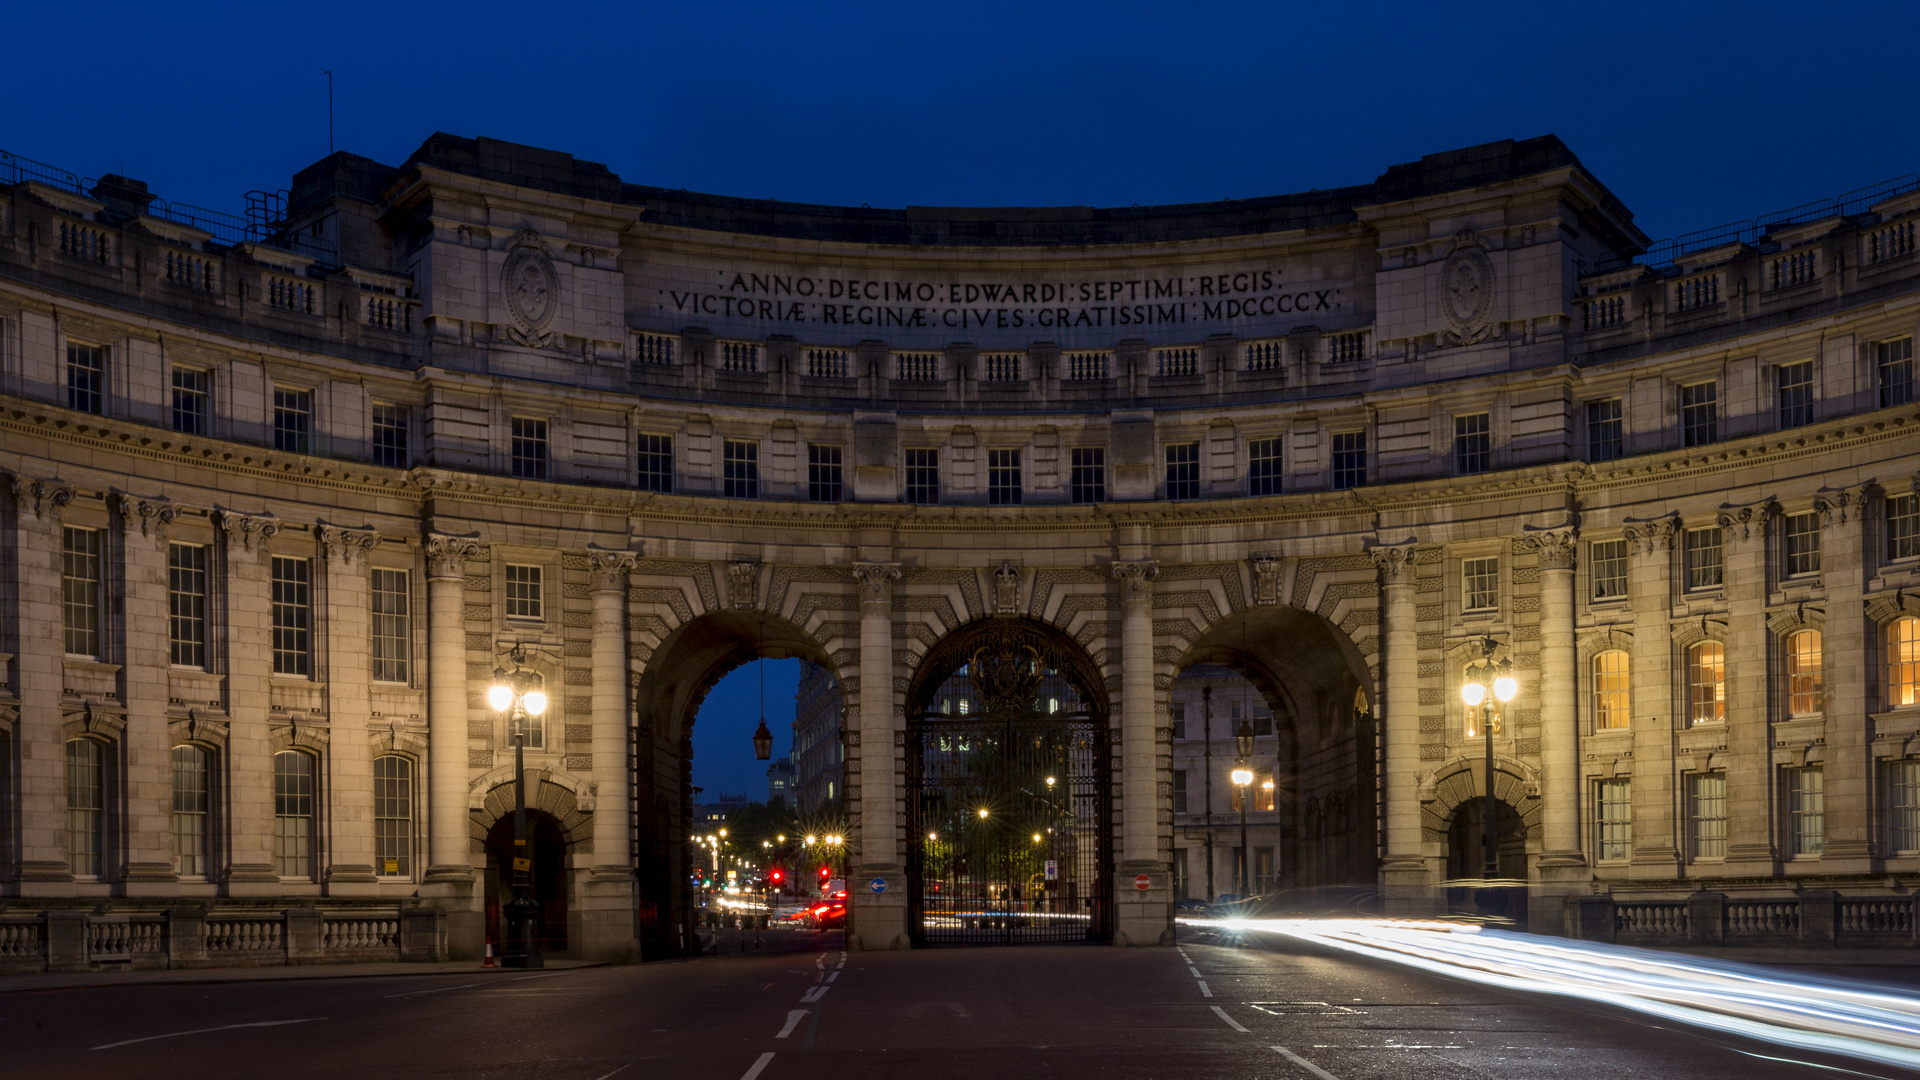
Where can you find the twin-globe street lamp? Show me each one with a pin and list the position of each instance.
(1243, 779)
(1485, 682)
(517, 694)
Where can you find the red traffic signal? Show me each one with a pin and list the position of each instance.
(825, 873)
(778, 876)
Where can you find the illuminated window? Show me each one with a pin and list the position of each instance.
(1610, 707)
(1806, 810)
(1264, 790)
(1613, 819)
(1903, 662)
(190, 808)
(1707, 814)
(1803, 673)
(1707, 683)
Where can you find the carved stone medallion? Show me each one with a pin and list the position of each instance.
(531, 288)
(1466, 291)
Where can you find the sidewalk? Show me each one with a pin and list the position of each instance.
(22, 984)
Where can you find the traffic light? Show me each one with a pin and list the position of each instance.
(825, 873)
(778, 876)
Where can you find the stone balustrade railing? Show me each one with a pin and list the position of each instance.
(1811, 918)
(64, 940)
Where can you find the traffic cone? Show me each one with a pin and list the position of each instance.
(489, 960)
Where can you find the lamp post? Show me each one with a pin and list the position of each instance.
(517, 694)
(1243, 779)
(1485, 682)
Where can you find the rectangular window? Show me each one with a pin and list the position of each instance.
(293, 421)
(1612, 708)
(1263, 466)
(1003, 478)
(392, 634)
(192, 401)
(1903, 527)
(1903, 804)
(1472, 444)
(1707, 814)
(1795, 388)
(1263, 790)
(1087, 483)
(1179, 791)
(529, 448)
(187, 604)
(1895, 364)
(1699, 414)
(1707, 683)
(523, 592)
(190, 807)
(1802, 535)
(1180, 891)
(923, 476)
(1703, 558)
(1613, 819)
(1479, 584)
(1607, 560)
(1179, 721)
(823, 473)
(86, 808)
(292, 615)
(390, 443)
(80, 590)
(1807, 810)
(1349, 459)
(292, 814)
(740, 469)
(1606, 431)
(86, 378)
(393, 816)
(1183, 470)
(656, 463)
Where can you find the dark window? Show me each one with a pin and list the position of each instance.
(1903, 527)
(1472, 444)
(1605, 430)
(656, 463)
(1003, 478)
(1699, 414)
(1349, 459)
(191, 803)
(1703, 558)
(1183, 470)
(393, 816)
(86, 808)
(390, 444)
(1263, 466)
(823, 473)
(523, 592)
(923, 475)
(293, 792)
(192, 401)
(1179, 791)
(1607, 559)
(1796, 394)
(187, 604)
(1088, 481)
(529, 448)
(292, 616)
(1802, 535)
(80, 590)
(1895, 362)
(1480, 584)
(86, 378)
(740, 469)
(293, 421)
(392, 635)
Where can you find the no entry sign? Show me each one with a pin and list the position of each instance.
(1142, 882)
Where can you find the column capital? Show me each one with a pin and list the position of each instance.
(1395, 562)
(1136, 579)
(246, 527)
(339, 544)
(447, 555)
(1837, 507)
(151, 516)
(1741, 524)
(1647, 536)
(41, 495)
(1557, 548)
(610, 569)
(876, 582)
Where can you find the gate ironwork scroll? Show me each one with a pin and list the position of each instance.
(1008, 795)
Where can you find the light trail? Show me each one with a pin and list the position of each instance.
(1741, 999)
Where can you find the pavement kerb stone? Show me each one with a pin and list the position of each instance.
(24, 984)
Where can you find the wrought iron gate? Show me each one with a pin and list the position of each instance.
(1008, 804)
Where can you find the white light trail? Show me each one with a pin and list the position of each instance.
(1810, 1014)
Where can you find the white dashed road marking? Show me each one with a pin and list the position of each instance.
(435, 990)
(768, 1056)
(203, 1031)
(793, 1021)
(1204, 992)
(1303, 1063)
(1231, 1022)
(815, 994)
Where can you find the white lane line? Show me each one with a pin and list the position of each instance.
(833, 975)
(1305, 1064)
(1204, 992)
(1231, 1022)
(203, 1031)
(768, 1056)
(607, 1076)
(814, 994)
(1195, 970)
(435, 990)
(794, 1016)
(548, 975)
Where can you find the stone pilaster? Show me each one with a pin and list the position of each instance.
(1750, 773)
(348, 627)
(1658, 847)
(146, 653)
(42, 870)
(879, 920)
(1143, 916)
(1561, 858)
(1849, 787)
(449, 879)
(607, 921)
(248, 562)
(1405, 866)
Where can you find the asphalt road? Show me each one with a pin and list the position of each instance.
(805, 1009)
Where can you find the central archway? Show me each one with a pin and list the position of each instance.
(1008, 790)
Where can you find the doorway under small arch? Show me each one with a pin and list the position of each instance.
(548, 878)
(1505, 898)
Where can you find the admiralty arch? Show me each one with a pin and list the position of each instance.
(285, 489)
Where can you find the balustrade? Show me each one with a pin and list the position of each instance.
(84, 242)
(1087, 366)
(289, 294)
(1184, 361)
(1890, 242)
(191, 271)
(1000, 367)
(916, 366)
(1789, 270)
(739, 356)
(1263, 356)
(1605, 312)
(1696, 293)
(826, 363)
(653, 349)
(1346, 348)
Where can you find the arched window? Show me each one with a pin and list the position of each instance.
(190, 808)
(1610, 708)
(1707, 683)
(393, 816)
(1903, 662)
(86, 808)
(293, 814)
(1803, 673)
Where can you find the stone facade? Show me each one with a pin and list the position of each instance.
(819, 754)
(285, 501)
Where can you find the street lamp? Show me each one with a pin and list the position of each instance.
(1243, 779)
(1485, 682)
(517, 694)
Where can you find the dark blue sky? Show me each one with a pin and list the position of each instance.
(723, 760)
(1694, 113)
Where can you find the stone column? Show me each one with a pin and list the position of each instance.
(1405, 868)
(1750, 772)
(878, 920)
(146, 653)
(348, 666)
(1657, 844)
(1849, 787)
(449, 879)
(1142, 916)
(1561, 858)
(38, 733)
(247, 764)
(607, 921)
